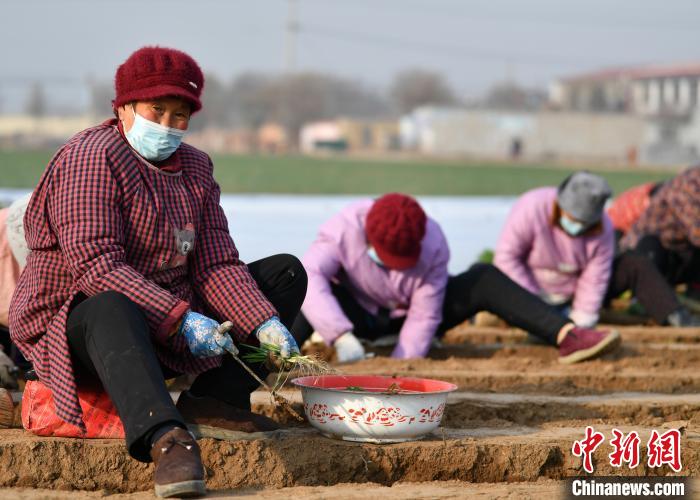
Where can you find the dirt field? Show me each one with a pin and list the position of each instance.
(507, 432)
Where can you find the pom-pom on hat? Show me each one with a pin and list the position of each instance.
(395, 227)
(155, 72)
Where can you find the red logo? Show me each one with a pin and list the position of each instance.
(665, 449)
(587, 446)
(662, 449)
(626, 449)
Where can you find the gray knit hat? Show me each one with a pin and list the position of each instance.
(583, 195)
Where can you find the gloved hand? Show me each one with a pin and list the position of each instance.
(348, 348)
(274, 332)
(206, 337)
(583, 319)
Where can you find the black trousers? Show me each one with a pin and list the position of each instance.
(483, 287)
(676, 266)
(111, 343)
(633, 270)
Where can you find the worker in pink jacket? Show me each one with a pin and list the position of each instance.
(559, 244)
(13, 257)
(379, 267)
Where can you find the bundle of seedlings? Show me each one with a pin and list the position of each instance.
(296, 363)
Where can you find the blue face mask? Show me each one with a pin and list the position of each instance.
(153, 141)
(573, 228)
(373, 255)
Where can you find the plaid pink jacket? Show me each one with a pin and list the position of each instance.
(673, 214)
(102, 218)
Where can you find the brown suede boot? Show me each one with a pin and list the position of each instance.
(209, 417)
(179, 471)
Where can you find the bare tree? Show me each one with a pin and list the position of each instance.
(306, 97)
(217, 108)
(418, 87)
(36, 102)
(294, 100)
(101, 95)
(252, 99)
(508, 95)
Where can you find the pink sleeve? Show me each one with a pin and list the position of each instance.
(595, 278)
(322, 262)
(9, 271)
(514, 245)
(425, 312)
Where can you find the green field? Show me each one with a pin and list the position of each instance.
(338, 175)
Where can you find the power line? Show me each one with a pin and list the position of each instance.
(440, 49)
(292, 30)
(452, 13)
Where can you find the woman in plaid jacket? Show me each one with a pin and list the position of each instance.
(132, 270)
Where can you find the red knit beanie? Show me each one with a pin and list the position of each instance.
(155, 72)
(395, 227)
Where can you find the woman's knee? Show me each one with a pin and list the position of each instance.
(651, 247)
(482, 272)
(636, 262)
(295, 270)
(113, 308)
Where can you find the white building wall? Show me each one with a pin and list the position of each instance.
(639, 102)
(654, 98)
(683, 94)
(313, 133)
(669, 89)
(490, 134)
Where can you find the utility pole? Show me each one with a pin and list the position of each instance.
(292, 30)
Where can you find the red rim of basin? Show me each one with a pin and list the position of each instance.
(339, 383)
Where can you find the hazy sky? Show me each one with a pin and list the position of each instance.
(474, 43)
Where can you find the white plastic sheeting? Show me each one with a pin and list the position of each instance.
(266, 224)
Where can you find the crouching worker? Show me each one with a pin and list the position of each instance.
(132, 269)
(379, 267)
(559, 244)
(13, 256)
(668, 232)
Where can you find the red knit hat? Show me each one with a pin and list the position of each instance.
(395, 227)
(154, 72)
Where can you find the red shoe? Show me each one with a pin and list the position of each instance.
(581, 344)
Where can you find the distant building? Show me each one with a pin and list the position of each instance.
(322, 136)
(557, 136)
(215, 140)
(272, 139)
(647, 90)
(350, 135)
(24, 131)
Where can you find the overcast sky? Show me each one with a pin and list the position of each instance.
(474, 43)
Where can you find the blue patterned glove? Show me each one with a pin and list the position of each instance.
(274, 332)
(205, 337)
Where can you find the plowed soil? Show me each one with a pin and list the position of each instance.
(506, 433)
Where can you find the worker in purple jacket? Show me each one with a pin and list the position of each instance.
(379, 267)
(558, 243)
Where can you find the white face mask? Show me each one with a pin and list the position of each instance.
(372, 253)
(152, 140)
(573, 228)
